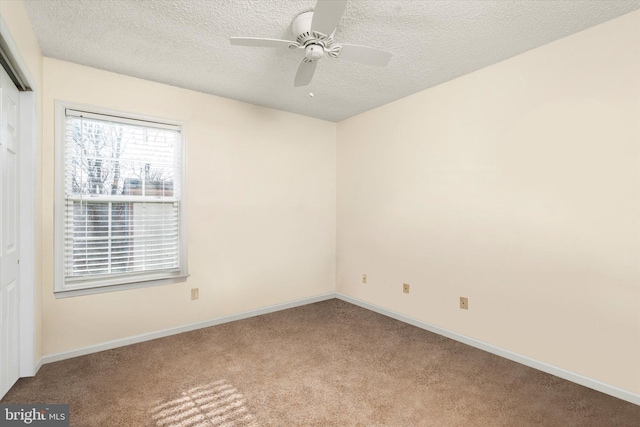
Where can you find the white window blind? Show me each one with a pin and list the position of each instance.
(122, 200)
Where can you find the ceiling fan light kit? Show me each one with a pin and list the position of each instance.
(314, 33)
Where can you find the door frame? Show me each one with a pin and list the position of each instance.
(28, 174)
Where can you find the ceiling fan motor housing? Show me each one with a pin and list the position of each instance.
(314, 47)
(301, 27)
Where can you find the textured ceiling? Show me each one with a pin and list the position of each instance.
(186, 44)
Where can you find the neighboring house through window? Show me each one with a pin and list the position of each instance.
(120, 201)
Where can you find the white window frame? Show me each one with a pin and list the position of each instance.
(122, 281)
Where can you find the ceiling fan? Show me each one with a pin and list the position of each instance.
(314, 33)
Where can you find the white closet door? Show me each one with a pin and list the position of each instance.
(9, 237)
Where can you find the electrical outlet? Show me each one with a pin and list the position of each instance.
(195, 294)
(464, 303)
(364, 278)
(405, 288)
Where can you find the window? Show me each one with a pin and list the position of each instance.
(120, 201)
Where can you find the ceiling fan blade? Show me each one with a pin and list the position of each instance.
(261, 42)
(305, 73)
(327, 14)
(364, 55)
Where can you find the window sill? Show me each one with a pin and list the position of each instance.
(122, 287)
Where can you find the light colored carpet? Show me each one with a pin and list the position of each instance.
(324, 364)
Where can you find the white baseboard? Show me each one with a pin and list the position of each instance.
(541, 366)
(29, 369)
(38, 366)
(186, 328)
(545, 367)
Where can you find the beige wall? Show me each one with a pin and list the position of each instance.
(15, 16)
(517, 186)
(261, 210)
